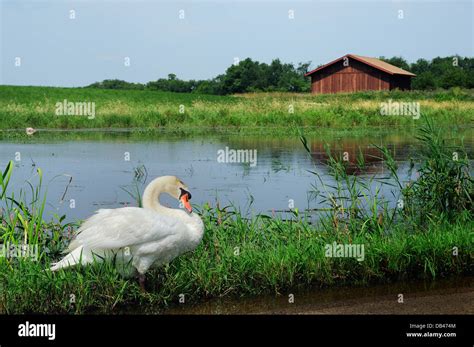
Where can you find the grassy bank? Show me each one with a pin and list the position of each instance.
(273, 257)
(22, 107)
(429, 236)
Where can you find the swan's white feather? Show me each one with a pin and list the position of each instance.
(125, 227)
(135, 236)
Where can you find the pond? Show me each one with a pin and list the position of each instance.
(87, 170)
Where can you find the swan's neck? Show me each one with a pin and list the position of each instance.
(151, 198)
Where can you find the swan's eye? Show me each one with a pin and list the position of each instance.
(183, 191)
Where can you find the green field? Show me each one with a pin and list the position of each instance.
(22, 107)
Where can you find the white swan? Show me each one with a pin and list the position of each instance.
(138, 238)
(30, 131)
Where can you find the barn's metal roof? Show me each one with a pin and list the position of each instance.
(374, 62)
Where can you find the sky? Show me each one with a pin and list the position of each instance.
(75, 43)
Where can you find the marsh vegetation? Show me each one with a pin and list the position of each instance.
(428, 235)
(36, 107)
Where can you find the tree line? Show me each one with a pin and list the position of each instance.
(252, 76)
(445, 73)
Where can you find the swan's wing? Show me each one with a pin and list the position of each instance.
(122, 227)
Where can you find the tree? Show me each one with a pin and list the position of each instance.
(398, 62)
(116, 84)
(246, 76)
(424, 80)
(421, 65)
(453, 77)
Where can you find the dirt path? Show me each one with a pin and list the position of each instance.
(454, 296)
(460, 302)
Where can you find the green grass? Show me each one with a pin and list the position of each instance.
(22, 107)
(274, 257)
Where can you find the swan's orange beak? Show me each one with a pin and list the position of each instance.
(185, 200)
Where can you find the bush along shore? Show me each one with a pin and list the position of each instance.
(86, 108)
(359, 239)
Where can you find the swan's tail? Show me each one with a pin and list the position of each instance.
(78, 256)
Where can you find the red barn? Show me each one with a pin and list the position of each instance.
(353, 73)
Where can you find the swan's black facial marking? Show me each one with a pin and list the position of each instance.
(183, 191)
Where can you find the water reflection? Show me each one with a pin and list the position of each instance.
(376, 299)
(361, 157)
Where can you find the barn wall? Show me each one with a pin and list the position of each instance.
(338, 78)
